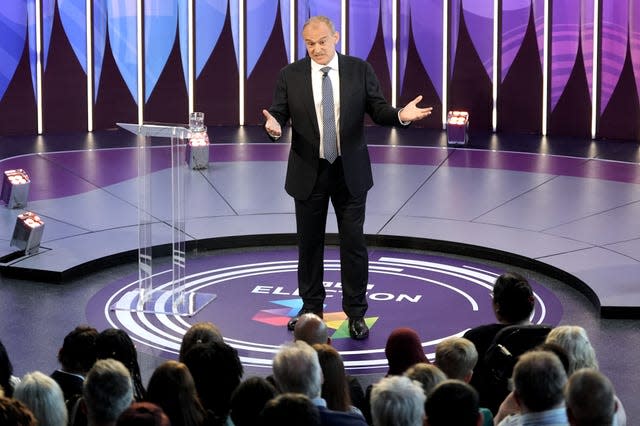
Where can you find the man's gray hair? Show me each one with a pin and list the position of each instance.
(296, 369)
(322, 19)
(397, 400)
(107, 390)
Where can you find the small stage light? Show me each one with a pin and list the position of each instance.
(15, 188)
(197, 152)
(27, 233)
(458, 127)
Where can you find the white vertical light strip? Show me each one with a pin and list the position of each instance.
(545, 68)
(292, 30)
(343, 26)
(445, 61)
(39, 65)
(139, 47)
(191, 56)
(594, 68)
(241, 60)
(495, 73)
(89, 38)
(394, 52)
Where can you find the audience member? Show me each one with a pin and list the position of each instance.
(249, 399)
(15, 413)
(335, 389)
(143, 414)
(290, 409)
(453, 402)
(217, 371)
(575, 341)
(7, 380)
(397, 400)
(512, 304)
(428, 375)
(538, 379)
(76, 357)
(590, 399)
(107, 392)
(456, 357)
(200, 332)
(172, 388)
(296, 369)
(116, 344)
(43, 396)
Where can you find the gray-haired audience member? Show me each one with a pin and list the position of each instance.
(296, 369)
(539, 379)
(453, 402)
(107, 392)
(43, 396)
(311, 329)
(397, 400)
(457, 357)
(428, 375)
(590, 399)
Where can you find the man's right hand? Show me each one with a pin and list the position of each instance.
(272, 126)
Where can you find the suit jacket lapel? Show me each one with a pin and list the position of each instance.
(307, 95)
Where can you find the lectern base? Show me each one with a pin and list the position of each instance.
(163, 302)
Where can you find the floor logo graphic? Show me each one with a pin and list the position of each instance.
(257, 294)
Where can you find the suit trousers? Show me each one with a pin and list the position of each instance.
(311, 219)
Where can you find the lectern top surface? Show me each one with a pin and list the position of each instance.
(157, 130)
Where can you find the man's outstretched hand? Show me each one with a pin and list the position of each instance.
(411, 111)
(271, 125)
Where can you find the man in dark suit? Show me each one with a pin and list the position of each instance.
(326, 96)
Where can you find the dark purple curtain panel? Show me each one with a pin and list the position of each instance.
(266, 34)
(471, 63)
(571, 68)
(217, 77)
(64, 84)
(115, 87)
(165, 48)
(17, 70)
(520, 94)
(619, 111)
(420, 56)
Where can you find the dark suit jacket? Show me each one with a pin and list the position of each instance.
(339, 418)
(360, 93)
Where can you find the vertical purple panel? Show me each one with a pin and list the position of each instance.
(17, 93)
(420, 56)
(265, 38)
(470, 87)
(64, 83)
(615, 15)
(586, 40)
(634, 34)
(217, 77)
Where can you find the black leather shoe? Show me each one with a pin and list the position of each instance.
(291, 325)
(358, 329)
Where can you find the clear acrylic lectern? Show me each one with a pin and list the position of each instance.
(162, 291)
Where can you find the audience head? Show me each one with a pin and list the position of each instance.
(558, 351)
(200, 332)
(457, 357)
(116, 344)
(78, 352)
(296, 369)
(335, 389)
(538, 379)
(590, 398)
(397, 400)
(428, 375)
(143, 414)
(217, 371)
(403, 349)
(6, 371)
(107, 391)
(513, 299)
(311, 328)
(290, 409)
(43, 396)
(15, 413)
(453, 402)
(172, 388)
(574, 340)
(248, 400)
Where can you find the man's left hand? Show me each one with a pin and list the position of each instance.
(411, 112)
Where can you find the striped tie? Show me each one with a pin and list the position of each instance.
(329, 138)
